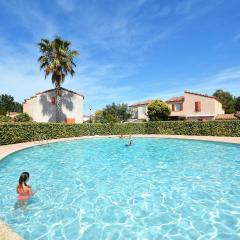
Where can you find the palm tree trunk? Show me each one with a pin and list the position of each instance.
(58, 103)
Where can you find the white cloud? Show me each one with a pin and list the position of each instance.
(67, 5)
(185, 7)
(237, 37)
(163, 12)
(227, 79)
(37, 22)
(19, 71)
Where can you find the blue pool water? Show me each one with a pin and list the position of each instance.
(100, 189)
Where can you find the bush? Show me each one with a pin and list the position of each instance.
(5, 119)
(23, 117)
(158, 110)
(24, 132)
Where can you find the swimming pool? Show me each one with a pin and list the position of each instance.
(100, 189)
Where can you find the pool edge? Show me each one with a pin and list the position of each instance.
(7, 233)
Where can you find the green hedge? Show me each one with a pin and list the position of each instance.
(24, 132)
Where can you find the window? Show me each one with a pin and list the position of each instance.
(133, 112)
(176, 107)
(53, 100)
(197, 106)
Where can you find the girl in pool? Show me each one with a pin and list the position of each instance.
(24, 190)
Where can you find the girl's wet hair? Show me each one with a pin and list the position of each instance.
(23, 179)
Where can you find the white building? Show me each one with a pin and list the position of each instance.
(42, 106)
(139, 110)
(86, 118)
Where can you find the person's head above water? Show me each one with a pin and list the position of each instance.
(23, 178)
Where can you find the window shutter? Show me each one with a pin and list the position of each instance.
(181, 106)
(198, 106)
(173, 107)
(53, 100)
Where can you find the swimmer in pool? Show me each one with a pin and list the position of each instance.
(130, 143)
(24, 190)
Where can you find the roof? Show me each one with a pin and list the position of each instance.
(65, 89)
(201, 95)
(12, 114)
(50, 90)
(181, 98)
(141, 103)
(176, 99)
(227, 117)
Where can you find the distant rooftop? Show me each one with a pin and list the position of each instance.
(141, 103)
(176, 99)
(227, 116)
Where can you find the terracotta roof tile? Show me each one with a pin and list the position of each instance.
(141, 103)
(176, 99)
(201, 95)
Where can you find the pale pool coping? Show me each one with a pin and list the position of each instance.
(6, 233)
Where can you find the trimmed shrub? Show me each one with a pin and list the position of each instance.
(158, 110)
(23, 117)
(5, 119)
(24, 132)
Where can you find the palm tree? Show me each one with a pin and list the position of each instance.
(57, 59)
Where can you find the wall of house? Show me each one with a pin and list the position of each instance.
(210, 107)
(29, 107)
(134, 112)
(218, 108)
(72, 106)
(142, 112)
(176, 113)
(41, 108)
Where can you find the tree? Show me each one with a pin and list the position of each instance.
(113, 113)
(158, 110)
(226, 99)
(237, 104)
(7, 104)
(116, 112)
(57, 60)
(98, 116)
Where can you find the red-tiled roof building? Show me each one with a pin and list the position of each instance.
(195, 106)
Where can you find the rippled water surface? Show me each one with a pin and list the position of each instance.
(100, 189)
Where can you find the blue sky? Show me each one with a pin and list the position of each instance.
(129, 50)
